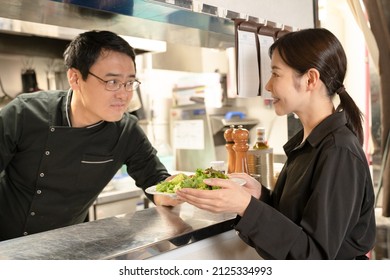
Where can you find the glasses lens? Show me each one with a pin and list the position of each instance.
(113, 85)
(133, 85)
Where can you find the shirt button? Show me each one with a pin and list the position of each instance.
(47, 153)
(32, 213)
(39, 191)
(25, 233)
(42, 175)
(52, 129)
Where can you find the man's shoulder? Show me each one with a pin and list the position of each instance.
(41, 100)
(129, 123)
(128, 120)
(39, 96)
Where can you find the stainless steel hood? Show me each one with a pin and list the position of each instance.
(144, 20)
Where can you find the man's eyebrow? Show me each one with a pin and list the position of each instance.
(119, 75)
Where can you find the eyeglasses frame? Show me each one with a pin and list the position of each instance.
(119, 83)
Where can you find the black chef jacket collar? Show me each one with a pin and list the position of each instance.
(65, 109)
(328, 125)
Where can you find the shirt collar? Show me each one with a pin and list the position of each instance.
(65, 107)
(329, 124)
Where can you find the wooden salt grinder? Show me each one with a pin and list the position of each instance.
(231, 154)
(241, 146)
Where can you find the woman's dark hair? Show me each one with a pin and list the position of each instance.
(86, 48)
(319, 49)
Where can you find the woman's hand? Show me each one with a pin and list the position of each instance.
(165, 200)
(231, 198)
(252, 186)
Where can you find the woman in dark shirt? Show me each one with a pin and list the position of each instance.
(322, 206)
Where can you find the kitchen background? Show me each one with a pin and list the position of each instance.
(178, 61)
(186, 63)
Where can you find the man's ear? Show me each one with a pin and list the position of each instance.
(73, 78)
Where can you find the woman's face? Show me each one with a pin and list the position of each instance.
(287, 87)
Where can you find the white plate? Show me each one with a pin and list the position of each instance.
(240, 181)
(152, 189)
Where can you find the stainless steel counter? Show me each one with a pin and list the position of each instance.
(140, 235)
(119, 194)
(116, 201)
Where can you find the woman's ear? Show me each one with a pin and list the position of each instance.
(313, 76)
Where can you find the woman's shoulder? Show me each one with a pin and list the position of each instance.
(344, 140)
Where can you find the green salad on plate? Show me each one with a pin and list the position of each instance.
(191, 181)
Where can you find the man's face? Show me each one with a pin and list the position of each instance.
(94, 102)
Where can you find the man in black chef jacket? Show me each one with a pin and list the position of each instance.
(59, 149)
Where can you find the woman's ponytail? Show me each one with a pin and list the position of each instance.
(352, 112)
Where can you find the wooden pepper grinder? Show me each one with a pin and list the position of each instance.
(231, 156)
(241, 146)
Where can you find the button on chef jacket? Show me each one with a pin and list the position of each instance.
(51, 173)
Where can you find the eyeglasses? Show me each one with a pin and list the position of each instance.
(114, 85)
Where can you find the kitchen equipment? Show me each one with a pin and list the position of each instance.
(29, 80)
(261, 162)
(5, 98)
(231, 154)
(241, 146)
(197, 133)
